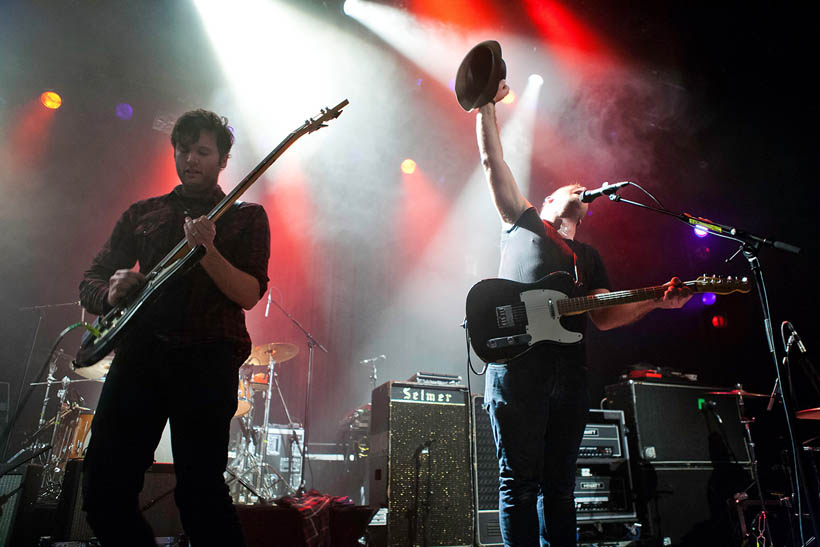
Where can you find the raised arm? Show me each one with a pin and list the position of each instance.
(509, 202)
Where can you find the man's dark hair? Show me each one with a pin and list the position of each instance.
(186, 130)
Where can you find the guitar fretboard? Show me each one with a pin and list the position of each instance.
(580, 304)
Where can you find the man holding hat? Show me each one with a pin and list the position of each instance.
(538, 402)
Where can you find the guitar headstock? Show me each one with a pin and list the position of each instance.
(325, 115)
(722, 285)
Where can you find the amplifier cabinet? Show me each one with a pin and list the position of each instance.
(679, 424)
(420, 463)
(689, 506)
(156, 501)
(603, 482)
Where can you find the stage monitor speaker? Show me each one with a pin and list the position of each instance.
(156, 501)
(420, 463)
(679, 424)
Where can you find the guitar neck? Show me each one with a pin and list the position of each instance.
(181, 248)
(581, 304)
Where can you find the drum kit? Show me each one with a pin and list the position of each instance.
(253, 474)
(70, 426)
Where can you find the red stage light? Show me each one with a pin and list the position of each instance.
(719, 322)
(51, 99)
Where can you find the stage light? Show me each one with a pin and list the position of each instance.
(701, 232)
(719, 322)
(352, 7)
(536, 79)
(708, 298)
(510, 98)
(124, 111)
(408, 167)
(51, 99)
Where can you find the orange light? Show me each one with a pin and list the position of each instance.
(51, 99)
(510, 98)
(408, 167)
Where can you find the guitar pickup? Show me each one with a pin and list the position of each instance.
(505, 341)
(504, 317)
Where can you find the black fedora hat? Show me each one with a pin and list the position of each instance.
(478, 75)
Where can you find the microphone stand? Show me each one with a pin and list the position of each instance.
(750, 245)
(312, 344)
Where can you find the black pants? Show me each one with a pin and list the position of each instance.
(149, 382)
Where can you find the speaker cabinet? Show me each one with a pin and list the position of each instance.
(156, 502)
(688, 506)
(21, 519)
(420, 463)
(679, 424)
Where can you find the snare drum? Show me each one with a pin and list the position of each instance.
(244, 397)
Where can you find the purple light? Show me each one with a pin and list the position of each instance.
(708, 298)
(701, 232)
(124, 111)
(452, 84)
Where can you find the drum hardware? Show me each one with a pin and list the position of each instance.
(746, 421)
(71, 426)
(248, 468)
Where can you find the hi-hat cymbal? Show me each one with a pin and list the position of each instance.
(279, 351)
(808, 414)
(736, 392)
(97, 370)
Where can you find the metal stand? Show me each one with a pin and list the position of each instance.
(312, 344)
(263, 444)
(750, 246)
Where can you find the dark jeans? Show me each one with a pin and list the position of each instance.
(538, 409)
(196, 388)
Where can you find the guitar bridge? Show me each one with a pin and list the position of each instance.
(504, 317)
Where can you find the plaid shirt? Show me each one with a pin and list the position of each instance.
(191, 309)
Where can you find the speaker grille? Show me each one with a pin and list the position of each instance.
(428, 491)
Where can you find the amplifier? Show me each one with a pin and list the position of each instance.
(603, 492)
(604, 437)
(420, 464)
(679, 424)
(603, 484)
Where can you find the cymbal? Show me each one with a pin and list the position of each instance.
(736, 392)
(808, 414)
(279, 351)
(97, 370)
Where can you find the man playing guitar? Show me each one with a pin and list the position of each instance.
(179, 361)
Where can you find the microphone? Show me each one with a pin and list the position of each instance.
(795, 339)
(605, 190)
(267, 307)
(372, 360)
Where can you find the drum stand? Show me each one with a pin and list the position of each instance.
(249, 468)
(262, 446)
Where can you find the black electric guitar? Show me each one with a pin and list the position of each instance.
(506, 318)
(108, 329)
